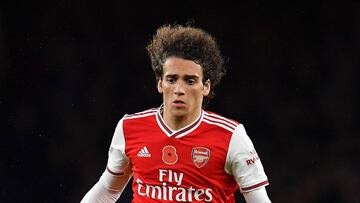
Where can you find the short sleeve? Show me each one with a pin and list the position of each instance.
(243, 162)
(118, 162)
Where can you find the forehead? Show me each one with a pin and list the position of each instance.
(179, 66)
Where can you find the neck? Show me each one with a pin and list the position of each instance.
(178, 122)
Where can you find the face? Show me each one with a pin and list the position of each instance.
(182, 87)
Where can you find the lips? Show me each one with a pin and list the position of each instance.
(179, 102)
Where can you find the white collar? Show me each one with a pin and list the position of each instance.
(177, 133)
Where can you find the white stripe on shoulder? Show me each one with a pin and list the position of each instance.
(140, 114)
(146, 111)
(213, 115)
(220, 121)
(227, 127)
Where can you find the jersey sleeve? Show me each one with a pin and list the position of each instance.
(117, 174)
(243, 162)
(118, 163)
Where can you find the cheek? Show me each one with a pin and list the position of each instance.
(196, 94)
(167, 91)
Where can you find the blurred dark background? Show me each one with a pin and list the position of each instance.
(69, 70)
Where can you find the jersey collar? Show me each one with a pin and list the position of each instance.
(177, 133)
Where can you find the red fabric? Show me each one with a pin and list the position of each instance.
(209, 182)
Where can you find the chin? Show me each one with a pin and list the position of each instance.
(179, 112)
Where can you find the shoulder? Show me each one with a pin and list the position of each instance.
(141, 114)
(138, 121)
(220, 121)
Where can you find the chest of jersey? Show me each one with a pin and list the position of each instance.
(185, 169)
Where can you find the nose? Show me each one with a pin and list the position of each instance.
(179, 88)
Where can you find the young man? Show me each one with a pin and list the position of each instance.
(180, 152)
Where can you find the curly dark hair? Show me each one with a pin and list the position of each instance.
(189, 43)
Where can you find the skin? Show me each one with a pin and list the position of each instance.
(183, 91)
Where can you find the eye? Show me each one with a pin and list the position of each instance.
(170, 80)
(191, 81)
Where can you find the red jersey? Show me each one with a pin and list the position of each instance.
(205, 161)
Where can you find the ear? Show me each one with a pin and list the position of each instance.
(159, 86)
(206, 88)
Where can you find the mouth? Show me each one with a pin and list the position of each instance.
(179, 102)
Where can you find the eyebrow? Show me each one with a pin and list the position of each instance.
(186, 76)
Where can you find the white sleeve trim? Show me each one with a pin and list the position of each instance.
(243, 163)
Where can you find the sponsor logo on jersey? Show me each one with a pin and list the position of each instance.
(170, 188)
(254, 157)
(144, 152)
(200, 156)
(169, 155)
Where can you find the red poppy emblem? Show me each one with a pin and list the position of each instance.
(200, 156)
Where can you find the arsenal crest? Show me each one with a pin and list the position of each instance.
(200, 156)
